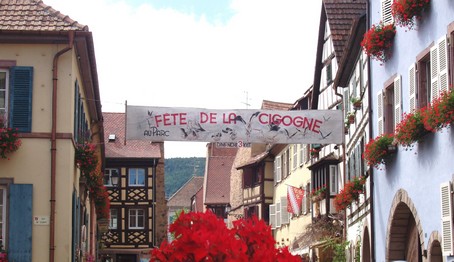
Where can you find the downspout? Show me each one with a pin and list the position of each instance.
(344, 158)
(371, 170)
(153, 229)
(53, 148)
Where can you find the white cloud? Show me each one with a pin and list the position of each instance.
(166, 58)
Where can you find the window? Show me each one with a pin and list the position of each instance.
(136, 218)
(329, 73)
(16, 86)
(113, 219)
(389, 105)
(333, 179)
(108, 173)
(136, 177)
(285, 163)
(81, 131)
(428, 77)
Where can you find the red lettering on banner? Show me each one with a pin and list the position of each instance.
(208, 118)
(227, 119)
(288, 120)
(170, 119)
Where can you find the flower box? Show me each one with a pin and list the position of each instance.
(406, 12)
(379, 149)
(378, 40)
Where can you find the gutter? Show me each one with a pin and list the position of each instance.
(53, 149)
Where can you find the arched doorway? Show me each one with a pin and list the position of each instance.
(404, 241)
(434, 249)
(366, 246)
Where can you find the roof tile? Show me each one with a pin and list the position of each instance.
(33, 15)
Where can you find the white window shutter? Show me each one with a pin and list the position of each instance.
(284, 212)
(442, 65)
(397, 100)
(386, 15)
(434, 72)
(277, 169)
(412, 87)
(446, 218)
(278, 215)
(380, 113)
(273, 216)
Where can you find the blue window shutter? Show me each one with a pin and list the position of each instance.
(21, 86)
(20, 222)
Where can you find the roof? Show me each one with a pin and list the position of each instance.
(218, 178)
(32, 15)
(341, 15)
(114, 124)
(182, 198)
(271, 105)
(253, 160)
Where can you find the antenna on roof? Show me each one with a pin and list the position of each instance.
(247, 100)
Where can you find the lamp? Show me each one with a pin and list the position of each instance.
(228, 208)
(114, 178)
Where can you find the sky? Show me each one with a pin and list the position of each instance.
(214, 54)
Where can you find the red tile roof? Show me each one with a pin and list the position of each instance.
(114, 123)
(341, 15)
(271, 105)
(33, 15)
(182, 198)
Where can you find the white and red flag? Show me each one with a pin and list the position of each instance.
(295, 197)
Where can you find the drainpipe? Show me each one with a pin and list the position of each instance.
(371, 169)
(344, 158)
(153, 225)
(53, 148)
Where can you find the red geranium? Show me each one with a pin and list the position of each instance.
(350, 193)
(410, 129)
(440, 113)
(406, 11)
(378, 149)
(9, 139)
(378, 40)
(205, 237)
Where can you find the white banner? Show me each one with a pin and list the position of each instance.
(242, 126)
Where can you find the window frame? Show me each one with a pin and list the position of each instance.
(135, 218)
(108, 173)
(4, 214)
(111, 219)
(4, 110)
(137, 177)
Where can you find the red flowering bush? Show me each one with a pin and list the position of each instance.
(319, 193)
(85, 158)
(378, 149)
(350, 193)
(9, 139)
(406, 11)
(410, 129)
(90, 169)
(205, 237)
(440, 113)
(314, 152)
(378, 40)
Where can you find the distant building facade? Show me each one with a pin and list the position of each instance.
(138, 213)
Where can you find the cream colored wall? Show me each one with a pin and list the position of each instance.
(300, 176)
(31, 163)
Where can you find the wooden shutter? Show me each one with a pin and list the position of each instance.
(20, 222)
(412, 87)
(278, 169)
(434, 72)
(386, 15)
(304, 204)
(278, 215)
(284, 212)
(21, 86)
(397, 100)
(446, 218)
(442, 65)
(380, 113)
(273, 216)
